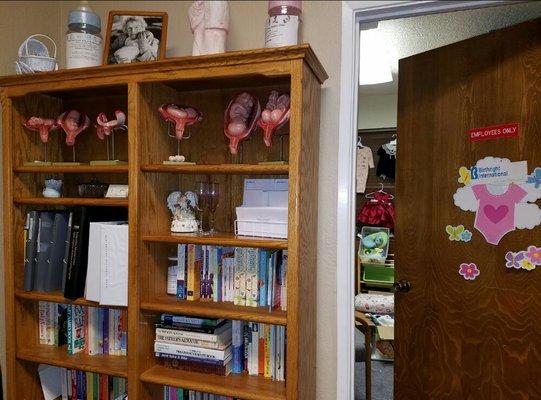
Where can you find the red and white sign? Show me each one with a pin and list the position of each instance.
(494, 132)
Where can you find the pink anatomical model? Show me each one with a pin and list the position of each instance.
(275, 115)
(240, 119)
(105, 127)
(73, 122)
(180, 116)
(41, 125)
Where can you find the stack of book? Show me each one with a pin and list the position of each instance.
(91, 330)
(56, 248)
(173, 393)
(259, 349)
(79, 385)
(244, 276)
(194, 344)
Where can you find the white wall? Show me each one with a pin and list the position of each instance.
(321, 28)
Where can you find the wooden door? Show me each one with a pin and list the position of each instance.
(458, 338)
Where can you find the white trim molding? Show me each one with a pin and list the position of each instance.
(353, 14)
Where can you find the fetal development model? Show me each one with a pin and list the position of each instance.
(240, 119)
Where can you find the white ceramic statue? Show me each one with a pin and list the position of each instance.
(209, 21)
(183, 206)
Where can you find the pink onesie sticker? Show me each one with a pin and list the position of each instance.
(496, 213)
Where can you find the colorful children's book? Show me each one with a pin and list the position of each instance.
(76, 329)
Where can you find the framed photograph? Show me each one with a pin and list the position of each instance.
(135, 36)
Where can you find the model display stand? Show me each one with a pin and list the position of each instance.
(206, 83)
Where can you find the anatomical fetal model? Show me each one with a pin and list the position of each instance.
(180, 116)
(73, 122)
(275, 115)
(209, 21)
(43, 126)
(240, 119)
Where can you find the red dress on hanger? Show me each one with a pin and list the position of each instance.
(378, 211)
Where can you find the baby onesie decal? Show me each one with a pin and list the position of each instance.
(496, 213)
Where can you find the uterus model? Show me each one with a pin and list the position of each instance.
(209, 21)
(44, 126)
(73, 122)
(105, 130)
(181, 117)
(274, 116)
(240, 119)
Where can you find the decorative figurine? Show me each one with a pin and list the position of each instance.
(274, 116)
(106, 129)
(43, 126)
(183, 207)
(209, 21)
(181, 116)
(240, 119)
(53, 188)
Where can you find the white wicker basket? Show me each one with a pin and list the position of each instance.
(34, 56)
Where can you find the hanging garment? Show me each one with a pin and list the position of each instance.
(387, 162)
(378, 211)
(365, 161)
(496, 213)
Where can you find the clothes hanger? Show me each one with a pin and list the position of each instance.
(359, 143)
(371, 194)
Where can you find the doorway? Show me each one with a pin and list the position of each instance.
(375, 141)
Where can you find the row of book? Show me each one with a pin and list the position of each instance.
(244, 276)
(173, 393)
(56, 248)
(92, 330)
(71, 384)
(221, 347)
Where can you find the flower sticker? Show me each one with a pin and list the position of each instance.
(534, 255)
(513, 259)
(466, 236)
(535, 178)
(527, 265)
(469, 271)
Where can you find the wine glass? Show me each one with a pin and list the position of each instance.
(214, 199)
(203, 206)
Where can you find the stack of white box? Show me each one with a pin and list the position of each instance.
(264, 208)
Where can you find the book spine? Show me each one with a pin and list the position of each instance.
(43, 316)
(105, 330)
(112, 337)
(220, 337)
(255, 349)
(240, 276)
(194, 272)
(247, 337)
(198, 367)
(191, 351)
(172, 274)
(217, 277)
(267, 371)
(123, 332)
(191, 359)
(181, 272)
(262, 283)
(283, 292)
(77, 329)
(170, 319)
(64, 383)
(252, 277)
(191, 342)
(273, 352)
(237, 347)
(261, 350)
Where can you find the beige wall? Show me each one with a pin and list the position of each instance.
(321, 28)
(377, 111)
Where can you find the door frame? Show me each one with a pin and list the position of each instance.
(353, 14)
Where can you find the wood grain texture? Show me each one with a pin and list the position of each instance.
(170, 304)
(216, 239)
(461, 339)
(58, 297)
(242, 386)
(244, 169)
(70, 201)
(75, 169)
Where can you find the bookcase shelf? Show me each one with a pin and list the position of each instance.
(70, 201)
(247, 169)
(75, 169)
(57, 297)
(209, 309)
(217, 239)
(242, 386)
(207, 83)
(58, 356)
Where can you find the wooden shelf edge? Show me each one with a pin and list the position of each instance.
(59, 357)
(216, 310)
(252, 169)
(75, 169)
(58, 297)
(70, 201)
(242, 386)
(217, 239)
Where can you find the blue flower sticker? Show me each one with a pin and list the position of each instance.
(535, 178)
(466, 236)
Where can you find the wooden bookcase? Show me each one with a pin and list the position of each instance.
(205, 82)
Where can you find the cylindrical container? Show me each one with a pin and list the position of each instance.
(84, 44)
(282, 28)
(172, 273)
